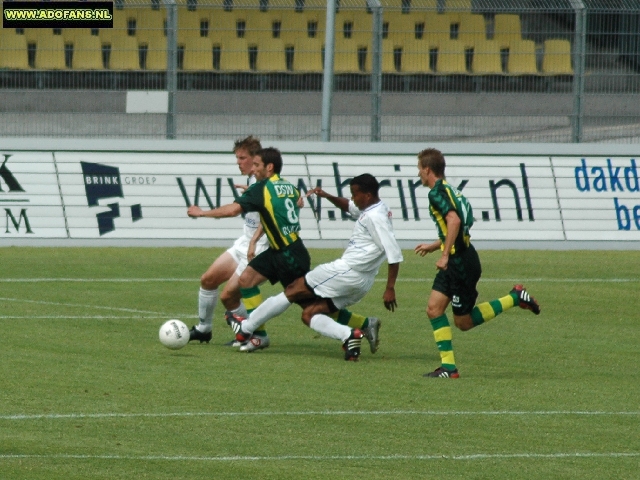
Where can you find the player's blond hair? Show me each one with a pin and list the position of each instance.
(432, 158)
(251, 144)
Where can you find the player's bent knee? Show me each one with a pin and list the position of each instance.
(464, 323)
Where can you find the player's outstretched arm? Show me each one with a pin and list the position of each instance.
(389, 295)
(229, 210)
(340, 202)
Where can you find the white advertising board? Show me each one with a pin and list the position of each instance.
(145, 195)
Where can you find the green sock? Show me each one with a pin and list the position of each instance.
(251, 297)
(353, 320)
(486, 311)
(443, 335)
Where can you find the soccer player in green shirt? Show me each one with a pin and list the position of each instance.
(458, 267)
(287, 258)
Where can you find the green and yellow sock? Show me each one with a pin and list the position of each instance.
(443, 335)
(486, 311)
(353, 320)
(251, 297)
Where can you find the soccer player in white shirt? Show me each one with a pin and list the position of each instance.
(332, 286)
(229, 266)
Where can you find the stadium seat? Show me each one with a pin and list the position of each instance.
(271, 56)
(190, 22)
(198, 54)
(456, 9)
(557, 57)
(522, 58)
(87, 53)
(437, 27)
(402, 26)
(234, 55)
(260, 26)
(124, 53)
(307, 55)
(345, 58)
(156, 53)
(50, 52)
(151, 25)
(389, 46)
(294, 25)
(471, 29)
(121, 20)
(222, 23)
(415, 57)
(13, 50)
(427, 5)
(486, 58)
(507, 29)
(451, 58)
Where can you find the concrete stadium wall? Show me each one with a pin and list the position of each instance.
(83, 192)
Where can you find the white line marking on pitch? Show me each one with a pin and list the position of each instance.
(95, 317)
(144, 280)
(239, 458)
(40, 302)
(60, 416)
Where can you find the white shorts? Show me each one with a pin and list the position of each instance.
(239, 251)
(337, 281)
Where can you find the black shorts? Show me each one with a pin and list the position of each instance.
(459, 280)
(284, 265)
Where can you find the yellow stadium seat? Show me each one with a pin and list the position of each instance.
(156, 53)
(522, 58)
(427, 5)
(223, 23)
(402, 26)
(234, 55)
(457, 8)
(471, 29)
(486, 58)
(190, 23)
(415, 57)
(388, 55)
(260, 26)
(124, 53)
(507, 29)
(451, 58)
(345, 57)
(70, 35)
(437, 27)
(151, 25)
(121, 19)
(557, 57)
(13, 50)
(307, 55)
(297, 24)
(87, 53)
(198, 54)
(271, 56)
(50, 52)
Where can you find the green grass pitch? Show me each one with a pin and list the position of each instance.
(88, 391)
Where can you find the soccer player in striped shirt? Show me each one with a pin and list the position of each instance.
(458, 266)
(345, 281)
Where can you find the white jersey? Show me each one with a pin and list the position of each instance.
(252, 219)
(372, 239)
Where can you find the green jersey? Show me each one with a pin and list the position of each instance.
(276, 201)
(443, 198)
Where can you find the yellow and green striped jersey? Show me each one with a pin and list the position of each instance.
(276, 200)
(443, 198)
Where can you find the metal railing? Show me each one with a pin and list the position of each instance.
(402, 71)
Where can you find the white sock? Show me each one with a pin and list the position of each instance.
(329, 328)
(207, 300)
(241, 311)
(271, 307)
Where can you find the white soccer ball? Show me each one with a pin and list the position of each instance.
(174, 334)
